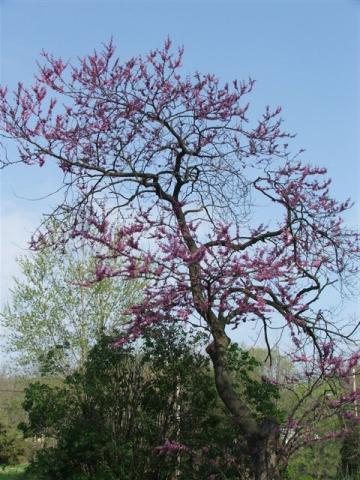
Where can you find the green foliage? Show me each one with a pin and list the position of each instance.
(350, 453)
(259, 393)
(14, 473)
(317, 461)
(53, 319)
(11, 398)
(11, 447)
(112, 419)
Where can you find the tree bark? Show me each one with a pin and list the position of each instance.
(263, 452)
(262, 437)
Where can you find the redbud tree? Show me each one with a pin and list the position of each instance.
(167, 172)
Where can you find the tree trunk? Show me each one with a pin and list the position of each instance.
(262, 437)
(263, 452)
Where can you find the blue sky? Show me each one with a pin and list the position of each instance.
(303, 54)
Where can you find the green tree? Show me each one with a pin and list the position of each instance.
(53, 318)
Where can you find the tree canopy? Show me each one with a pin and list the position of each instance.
(52, 320)
(168, 173)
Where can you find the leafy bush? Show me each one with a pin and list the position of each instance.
(11, 447)
(137, 413)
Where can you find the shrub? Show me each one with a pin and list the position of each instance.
(11, 447)
(141, 412)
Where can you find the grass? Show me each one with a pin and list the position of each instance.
(12, 473)
(17, 473)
